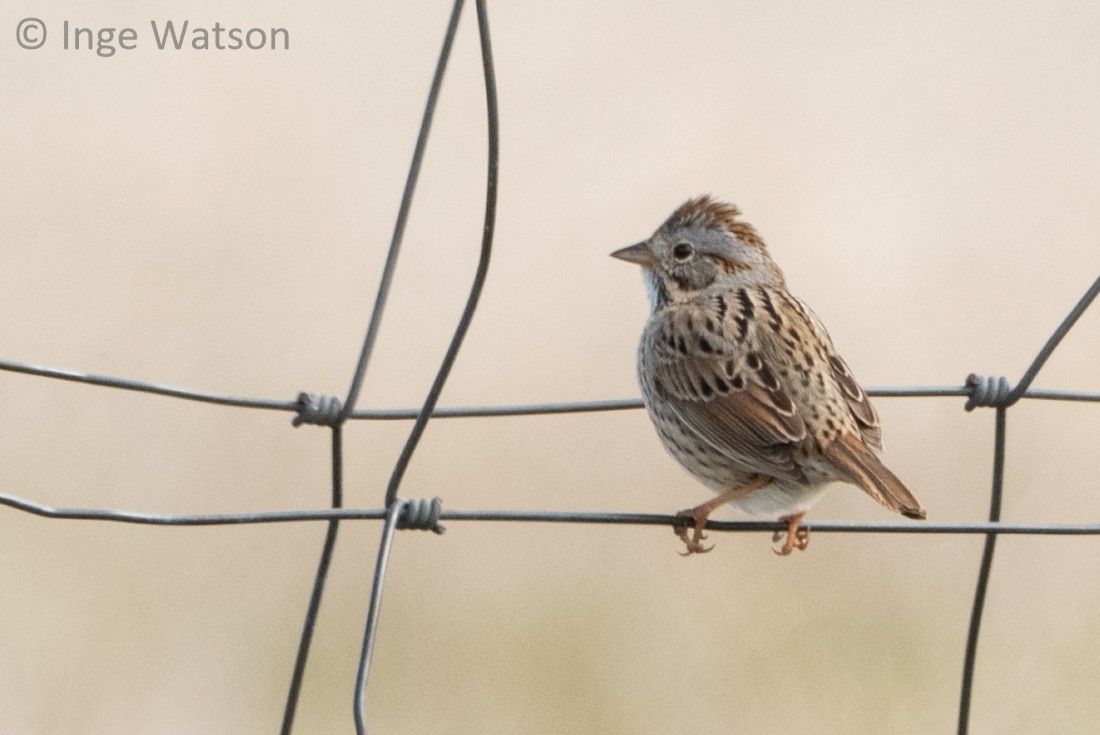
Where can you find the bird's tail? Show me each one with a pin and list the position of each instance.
(859, 465)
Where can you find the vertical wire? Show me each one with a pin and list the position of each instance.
(402, 216)
(371, 628)
(1051, 344)
(969, 661)
(395, 506)
(318, 584)
(483, 262)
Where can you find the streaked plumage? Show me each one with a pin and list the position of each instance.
(742, 381)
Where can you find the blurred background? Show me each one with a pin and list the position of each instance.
(925, 175)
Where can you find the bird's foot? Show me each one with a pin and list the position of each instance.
(795, 537)
(698, 521)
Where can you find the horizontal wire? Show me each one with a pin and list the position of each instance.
(531, 409)
(144, 387)
(522, 409)
(540, 516)
(624, 404)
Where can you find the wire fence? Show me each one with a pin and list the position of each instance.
(427, 514)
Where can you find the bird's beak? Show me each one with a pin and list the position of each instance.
(639, 254)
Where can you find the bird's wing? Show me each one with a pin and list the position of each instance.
(721, 389)
(858, 403)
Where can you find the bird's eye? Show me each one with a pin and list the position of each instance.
(682, 251)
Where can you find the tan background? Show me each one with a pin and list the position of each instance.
(926, 177)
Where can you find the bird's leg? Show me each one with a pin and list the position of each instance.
(796, 536)
(700, 513)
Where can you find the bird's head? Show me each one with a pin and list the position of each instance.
(701, 244)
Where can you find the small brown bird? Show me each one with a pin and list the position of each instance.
(742, 381)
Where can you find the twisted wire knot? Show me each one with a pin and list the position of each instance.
(987, 391)
(314, 408)
(421, 514)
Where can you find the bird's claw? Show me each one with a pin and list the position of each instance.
(693, 542)
(794, 537)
